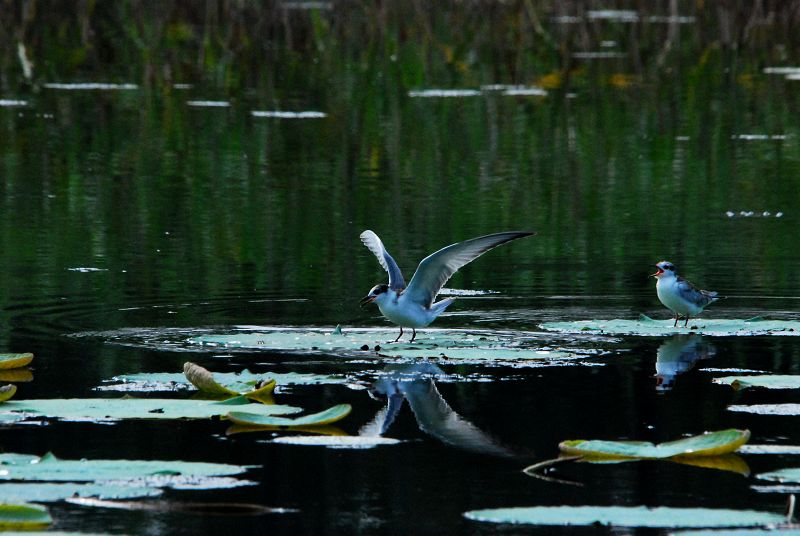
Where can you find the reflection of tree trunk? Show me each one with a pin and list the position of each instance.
(26, 17)
(673, 33)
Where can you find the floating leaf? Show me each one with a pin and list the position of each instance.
(453, 344)
(320, 430)
(244, 381)
(330, 415)
(16, 375)
(627, 516)
(647, 326)
(791, 475)
(769, 449)
(23, 516)
(7, 391)
(338, 442)
(51, 492)
(739, 532)
(768, 409)
(104, 409)
(48, 468)
(708, 444)
(768, 381)
(12, 361)
(205, 382)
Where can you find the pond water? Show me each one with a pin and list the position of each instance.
(137, 216)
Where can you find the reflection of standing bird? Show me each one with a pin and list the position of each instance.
(677, 355)
(413, 306)
(678, 295)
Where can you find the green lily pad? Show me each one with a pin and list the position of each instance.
(24, 516)
(235, 381)
(51, 492)
(738, 532)
(647, 326)
(105, 409)
(769, 449)
(791, 475)
(330, 415)
(48, 468)
(12, 361)
(472, 345)
(627, 516)
(708, 444)
(768, 381)
(767, 409)
(338, 442)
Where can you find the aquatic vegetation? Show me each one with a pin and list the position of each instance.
(767, 381)
(6, 392)
(260, 390)
(767, 409)
(13, 361)
(707, 444)
(108, 409)
(627, 516)
(338, 442)
(52, 492)
(239, 382)
(330, 415)
(648, 327)
(791, 475)
(24, 516)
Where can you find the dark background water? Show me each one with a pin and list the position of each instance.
(677, 142)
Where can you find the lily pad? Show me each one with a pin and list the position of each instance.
(767, 409)
(51, 492)
(12, 361)
(791, 475)
(204, 381)
(626, 516)
(647, 326)
(105, 409)
(481, 345)
(24, 516)
(330, 415)
(708, 444)
(48, 468)
(769, 449)
(239, 381)
(738, 532)
(338, 442)
(16, 375)
(768, 381)
(7, 391)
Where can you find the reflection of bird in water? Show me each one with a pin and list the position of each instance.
(677, 355)
(415, 383)
(413, 306)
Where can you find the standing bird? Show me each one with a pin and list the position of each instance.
(678, 295)
(413, 306)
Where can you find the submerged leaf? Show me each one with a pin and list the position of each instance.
(104, 409)
(768, 381)
(708, 444)
(330, 415)
(23, 516)
(647, 326)
(12, 361)
(626, 516)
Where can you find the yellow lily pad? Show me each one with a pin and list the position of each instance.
(12, 361)
(204, 380)
(708, 444)
(7, 391)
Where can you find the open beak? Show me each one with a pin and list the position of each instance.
(658, 272)
(366, 299)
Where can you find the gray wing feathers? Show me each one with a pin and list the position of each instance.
(692, 294)
(435, 269)
(375, 245)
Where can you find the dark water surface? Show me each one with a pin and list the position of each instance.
(140, 214)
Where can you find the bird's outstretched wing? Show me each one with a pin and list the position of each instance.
(375, 245)
(435, 269)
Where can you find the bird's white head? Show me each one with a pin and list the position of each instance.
(665, 269)
(375, 293)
